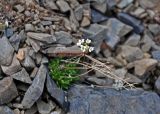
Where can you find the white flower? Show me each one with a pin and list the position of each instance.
(79, 44)
(82, 41)
(83, 48)
(88, 41)
(91, 49)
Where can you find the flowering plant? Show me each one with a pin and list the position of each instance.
(85, 45)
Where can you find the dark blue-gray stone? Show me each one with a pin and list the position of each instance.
(132, 21)
(5, 110)
(87, 100)
(9, 32)
(97, 16)
(156, 55)
(56, 93)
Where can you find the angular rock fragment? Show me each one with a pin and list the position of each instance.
(144, 66)
(8, 90)
(117, 27)
(133, 40)
(6, 110)
(35, 90)
(156, 55)
(63, 5)
(56, 93)
(28, 63)
(43, 37)
(157, 84)
(22, 76)
(63, 38)
(97, 16)
(79, 12)
(131, 53)
(15, 41)
(6, 51)
(87, 100)
(132, 21)
(13, 67)
(124, 3)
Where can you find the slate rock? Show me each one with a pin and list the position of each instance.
(8, 90)
(51, 5)
(56, 93)
(87, 100)
(97, 33)
(36, 89)
(63, 38)
(14, 67)
(9, 32)
(6, 51)
(156, 55)
(124, 3)
(5, 110)
(133, 40)
(154, 28)
(112, 40)
(144, 66)
(63, 51)
(22, 76)
(97, 16)
(19, 8)
(130, 53)
(101, 7)
(29, 27)
(132, 21)
(117, 27)
(157, 85)
(15, 41)
(63, 5)
(28, 63)
(43, 107)
(43, 37)
(46, 23)
(78, 12)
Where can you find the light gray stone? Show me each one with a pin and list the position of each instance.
(157, 84)
(133, 40)
(8, 91)
(63, 5)
(6, 52)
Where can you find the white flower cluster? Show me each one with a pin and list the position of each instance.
(85, 45)
(118, 85)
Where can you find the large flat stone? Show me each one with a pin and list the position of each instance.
(36, 89)
(6, 51)
(86, 100)
(8, 90)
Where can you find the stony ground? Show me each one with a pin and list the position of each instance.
(125, 34)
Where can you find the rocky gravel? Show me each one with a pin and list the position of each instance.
(124, 33)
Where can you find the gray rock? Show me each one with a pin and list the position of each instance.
(15, 41)
(124, 3)
(34, 43)
(46, 23)
(97, 81)
(43, 107)
(36, 89)
(43, 37)
(19, 8)
(59, 111)
(62, 51)
(130, 78)
(6, 110)
(97, 33)
(14, 67)
(9, 32)
(28, 63)
(87, 100)
(73, 21)
(22, 76)
(32, 110)
(112, 40)
(56, 93)
(51, 5)
(154, 28)
(63, 38)
(101, 7)
(29, 27)
(8, 90)
(157, 85)
(6, 52)
(147, 4)
(121, 72)
(133, 40)
(79, 12)
(117, 27)
(131, 53)
(144, 66)
(138, 12)
(63, 5)
(97, 16)
(156, 55)
(132, 21)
